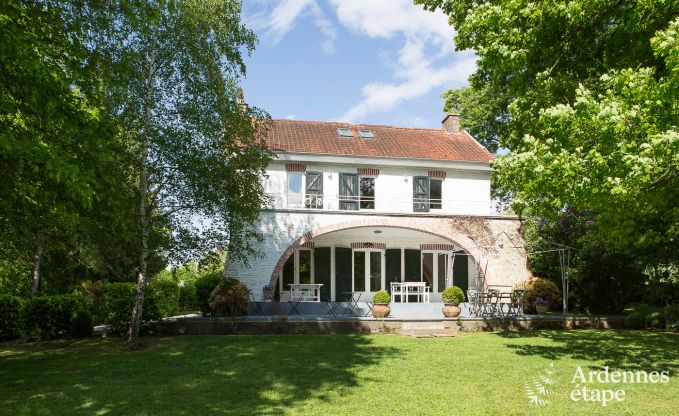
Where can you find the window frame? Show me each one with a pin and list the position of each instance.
(296, 263)
(288, 203)
(360, 195)
(431, 199)
(366, 269)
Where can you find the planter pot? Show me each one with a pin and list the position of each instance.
(381, 310)
(541, 309)
(268, 295)
(451, 311)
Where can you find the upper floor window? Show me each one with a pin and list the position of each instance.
(295, 187)
(356, 192)
(314, 190)
(435, 192)
(427, 193)
(367, 192)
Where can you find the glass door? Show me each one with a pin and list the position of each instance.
(368, 270)
(436, 270)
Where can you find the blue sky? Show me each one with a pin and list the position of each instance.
(361, 61)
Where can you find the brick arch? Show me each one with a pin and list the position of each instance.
(385, 223)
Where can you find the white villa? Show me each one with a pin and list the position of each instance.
(356, 207)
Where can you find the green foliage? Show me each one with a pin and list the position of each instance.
(116, 304)
(188, 300)
(381, 296)
(11, 317)
(81, 323)
(635, 320)
(161, 300)
(541, 288)
(230, 298)
(48, 317)
(655, 320)
(671, 313)
(581, 95)
(453, 295)
(205, 284)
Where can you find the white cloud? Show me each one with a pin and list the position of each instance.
(290, 117)
(424, 60)
(277, 22)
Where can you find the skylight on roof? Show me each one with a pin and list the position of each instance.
(366, 134)
(345, 132)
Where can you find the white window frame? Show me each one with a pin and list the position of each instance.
(302, 190)
(435, 268)
(374, 178)
(295, 257)
(366, 268)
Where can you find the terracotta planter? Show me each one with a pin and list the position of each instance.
(451, 311)
(541, 309)
(381, 310)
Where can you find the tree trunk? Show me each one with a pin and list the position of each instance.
(37, 257)
(135, 320)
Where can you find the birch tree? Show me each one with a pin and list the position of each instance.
(171, 71)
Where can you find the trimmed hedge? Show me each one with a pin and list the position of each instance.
(11, 316)
(635, 320)
(188, 301)
(161, 299)
(672, 317)
(453, 295)
(48, 317)
(205, 284)
(117, 301)
(81, 323)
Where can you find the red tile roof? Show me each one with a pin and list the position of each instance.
(391, 142)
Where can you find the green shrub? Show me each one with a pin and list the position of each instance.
(161, 299)
(540, 288)
(81, 323)
(50, 316)
(205, 284)
(117, 301)
(382, 296)
(453, 295)
(11, 316)
(230, 298)
(635, 320)
(655, 320)
(672, 317)
(188, 301)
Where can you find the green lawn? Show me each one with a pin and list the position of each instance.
(479, 373)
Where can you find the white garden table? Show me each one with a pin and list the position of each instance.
(403, 290)
(305, 292)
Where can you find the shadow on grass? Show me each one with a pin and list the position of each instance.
(183, 375)
(624, 350)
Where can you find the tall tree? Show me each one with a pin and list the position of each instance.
(584, 97)
(171, 71)
(58, 145)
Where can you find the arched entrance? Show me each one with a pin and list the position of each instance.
(364, 258)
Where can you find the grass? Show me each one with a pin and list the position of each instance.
(472, 374)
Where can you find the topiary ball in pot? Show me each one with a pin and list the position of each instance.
(381, 301)
(451, 297)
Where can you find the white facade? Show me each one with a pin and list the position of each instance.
(465, 189)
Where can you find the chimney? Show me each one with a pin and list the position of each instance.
(451, 123)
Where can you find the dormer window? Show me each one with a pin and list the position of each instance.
(366, 134)
(345, 132)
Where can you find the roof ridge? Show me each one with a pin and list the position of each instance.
(361, 125)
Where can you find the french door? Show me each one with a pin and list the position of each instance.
(368, 270)
(436, 270)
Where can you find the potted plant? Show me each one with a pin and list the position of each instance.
(381, 301)
(541, 305)
(452, 296)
